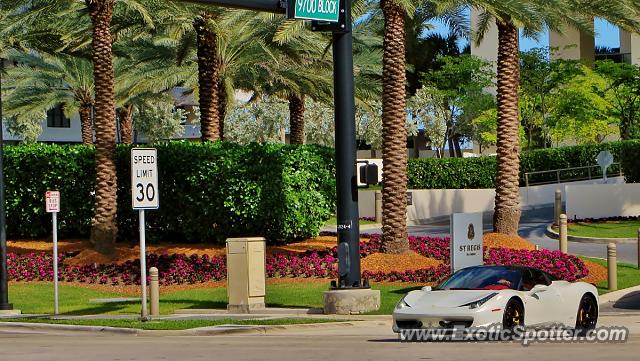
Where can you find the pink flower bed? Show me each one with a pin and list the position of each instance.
(182, 269)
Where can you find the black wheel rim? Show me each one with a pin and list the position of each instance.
(587, 314)
(513, 315)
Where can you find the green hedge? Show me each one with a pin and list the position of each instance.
(207, 191)
(471, 173)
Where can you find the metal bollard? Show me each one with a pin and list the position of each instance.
(612, 264)
(557, 209)
(154, 292)
(563, 234)
(378, 207)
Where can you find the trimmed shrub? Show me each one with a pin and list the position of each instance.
(474, 173)
(208, 192)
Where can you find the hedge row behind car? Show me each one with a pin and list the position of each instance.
(474, 173)
(207, 191)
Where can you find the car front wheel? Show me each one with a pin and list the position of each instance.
(513, 315)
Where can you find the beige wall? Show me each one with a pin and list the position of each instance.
(603, 200)
(488, 48)
(431, 203)
(630, 44)
(573, 44)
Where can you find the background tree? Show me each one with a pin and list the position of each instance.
(581, 110)
(40, 82)
(623, 92)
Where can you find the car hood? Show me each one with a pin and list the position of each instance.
(445, 298)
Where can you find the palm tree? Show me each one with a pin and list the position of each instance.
(208, 76)
(394, 132)
(68, 19)
(41, 81)
(533, 16)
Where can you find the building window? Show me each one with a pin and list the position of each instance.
(56, 118)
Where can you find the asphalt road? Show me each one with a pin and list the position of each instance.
(354, 344)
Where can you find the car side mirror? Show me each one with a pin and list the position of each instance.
(538, 289)
(427, 288)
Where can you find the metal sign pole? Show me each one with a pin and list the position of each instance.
(143, 265)
(4, 278)
(346, 179)
(54, 217)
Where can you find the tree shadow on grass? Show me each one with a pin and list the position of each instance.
(101, 309)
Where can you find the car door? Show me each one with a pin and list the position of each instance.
(542, 300)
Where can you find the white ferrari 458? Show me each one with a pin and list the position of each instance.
(506, 295)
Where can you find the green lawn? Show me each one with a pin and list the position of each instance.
(175, 324)
(622, 229)
(628, 275)
(38, 298)
(333, 221)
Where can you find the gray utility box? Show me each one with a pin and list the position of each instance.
(246, 274)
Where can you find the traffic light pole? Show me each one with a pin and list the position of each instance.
(346, 178)
(345, 128)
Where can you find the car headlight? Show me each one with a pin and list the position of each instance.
(480, 302)
(402, 304)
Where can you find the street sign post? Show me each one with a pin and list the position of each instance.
(52, 205)
(144, 195)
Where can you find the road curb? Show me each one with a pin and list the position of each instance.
(201, 331)
(555, 235)
(615, 296)
(67, 328)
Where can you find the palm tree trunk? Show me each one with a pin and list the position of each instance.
(394, 131)
(222, 107)
(507, 205)
(86, 123)
(208, 71)
(104, 228)
(125, 116)
(296, 119)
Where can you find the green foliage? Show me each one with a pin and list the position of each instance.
(207, 191)
(581, 110)
(471, 173)
(158, 119)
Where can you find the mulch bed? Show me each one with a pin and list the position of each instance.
(376, 262)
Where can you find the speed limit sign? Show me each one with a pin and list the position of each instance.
(144, 178)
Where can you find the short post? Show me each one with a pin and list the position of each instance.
(557, 209)
(612, 264)
(537, 247)
(154, 292)
(378, 207)
(563, 234)
(52, 205)
(638, 247)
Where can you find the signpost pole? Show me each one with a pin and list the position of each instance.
(4, 278)
(143, 264)
(346, 179)
(54, 217)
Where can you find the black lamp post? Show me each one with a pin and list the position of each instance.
(4, 277)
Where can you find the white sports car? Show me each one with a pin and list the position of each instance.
(507, 295)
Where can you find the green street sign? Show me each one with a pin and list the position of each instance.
(323, 10)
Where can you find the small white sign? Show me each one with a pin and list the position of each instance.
(52, 201)
(466, 240)
(144, 178)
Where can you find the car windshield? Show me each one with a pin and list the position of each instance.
(483, 278)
